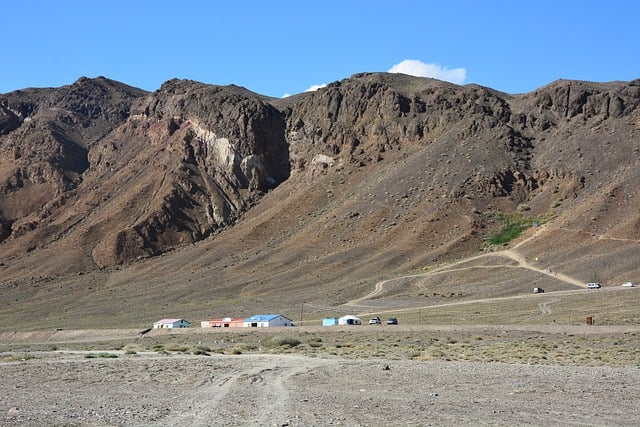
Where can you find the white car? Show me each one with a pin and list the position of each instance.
(594, 285)
(375, 321)
(628, 285)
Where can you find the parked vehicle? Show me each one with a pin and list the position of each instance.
(628, 285)
(594, 285)
(538, 290)
(392, 321)
(375, 321)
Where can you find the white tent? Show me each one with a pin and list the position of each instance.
(349, 320)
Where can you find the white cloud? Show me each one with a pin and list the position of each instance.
(316, 87)
(413, 67)
(311, 89)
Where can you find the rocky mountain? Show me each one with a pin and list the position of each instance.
(372, 175)
(124, 174)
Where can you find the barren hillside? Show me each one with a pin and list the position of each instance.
(118, 205)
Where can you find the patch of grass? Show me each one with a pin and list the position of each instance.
(16, 358)
(513, 225)
(108, 355)
(281, 341)
(132, 349)
(178, 348)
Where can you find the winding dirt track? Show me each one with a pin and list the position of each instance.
(511, 254)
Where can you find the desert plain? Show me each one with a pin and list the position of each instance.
(369, 375)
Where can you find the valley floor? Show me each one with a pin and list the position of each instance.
(368, 375)
(293, 390)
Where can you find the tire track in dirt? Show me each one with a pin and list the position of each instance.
(259, 384)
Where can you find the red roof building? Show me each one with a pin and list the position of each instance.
(223, 322)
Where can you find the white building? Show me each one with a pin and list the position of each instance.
(266, 321)
(349, 320)
(171, 324)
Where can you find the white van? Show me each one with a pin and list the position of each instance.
(594, 285)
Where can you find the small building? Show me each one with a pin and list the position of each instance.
(267, 321)
(349, 320)
(171, 324)
(329, 321)
(223, 322)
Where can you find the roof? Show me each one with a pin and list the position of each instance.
(262, 317)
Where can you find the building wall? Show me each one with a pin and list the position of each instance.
(280, 321)
(276, 322)
(330, 321)
(180, 324)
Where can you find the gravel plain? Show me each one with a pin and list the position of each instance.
(147, 388)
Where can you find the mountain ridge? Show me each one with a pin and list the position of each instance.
(324, 191)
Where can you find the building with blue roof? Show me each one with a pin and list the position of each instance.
(267, 321)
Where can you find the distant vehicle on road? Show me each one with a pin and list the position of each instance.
(392, 321)
(594, 285)
(538, 291)
(628, 285)
(375, 321)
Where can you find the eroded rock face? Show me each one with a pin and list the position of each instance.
(170, 167)
(360, 120)
(45, 137)
(209, 152)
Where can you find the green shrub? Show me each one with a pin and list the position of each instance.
(108, 355)
(178, 348)
(16, 358)
(281, 341)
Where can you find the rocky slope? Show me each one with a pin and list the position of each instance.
(372, 175)
(137, 176)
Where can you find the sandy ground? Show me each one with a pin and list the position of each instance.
(66, 388)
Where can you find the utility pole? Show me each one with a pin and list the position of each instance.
(301, 312)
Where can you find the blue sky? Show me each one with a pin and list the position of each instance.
(286, 47)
